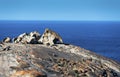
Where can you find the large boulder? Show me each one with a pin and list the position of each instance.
(7, 40)
(29, 40)
(25, 38)
(35, 34)
(50, 37)
(20, 38)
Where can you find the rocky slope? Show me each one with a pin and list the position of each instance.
(47, 58)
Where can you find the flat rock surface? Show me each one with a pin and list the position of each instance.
(60, 60)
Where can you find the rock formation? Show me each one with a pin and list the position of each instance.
(50, 37)
(26, 38)
(7, 40)
(59, 60)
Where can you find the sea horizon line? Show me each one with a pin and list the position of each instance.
(67, 20)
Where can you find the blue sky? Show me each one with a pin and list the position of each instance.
(103, 10)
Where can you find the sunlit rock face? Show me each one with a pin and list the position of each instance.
(50, 37)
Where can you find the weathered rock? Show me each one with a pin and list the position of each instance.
(28, 40)
(21, 59)
(50, 37)
(19, 38)
(91, 74)
(25, 38)
(35, 34)
(23, 35)
(7, 40)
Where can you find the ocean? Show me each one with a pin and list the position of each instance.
(101, 37)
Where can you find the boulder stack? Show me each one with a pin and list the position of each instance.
(49, 37)
(25, 38)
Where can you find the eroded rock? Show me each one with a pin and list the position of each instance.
(50, 37)
(25, 38)
(21, 59)
(7, 40)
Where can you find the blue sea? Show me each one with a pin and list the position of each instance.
(101, 37)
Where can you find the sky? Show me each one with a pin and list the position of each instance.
(76, 10)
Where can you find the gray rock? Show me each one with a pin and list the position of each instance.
(91, 74)
(23, 58)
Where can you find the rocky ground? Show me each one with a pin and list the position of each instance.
(33, 55)
(59, 60)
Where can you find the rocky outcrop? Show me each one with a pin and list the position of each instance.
(50, 37)
(37, 60)
(25, 38)
(59, 60)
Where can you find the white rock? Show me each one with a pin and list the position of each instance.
(22, 35)
(7, 40)
(50, 37)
